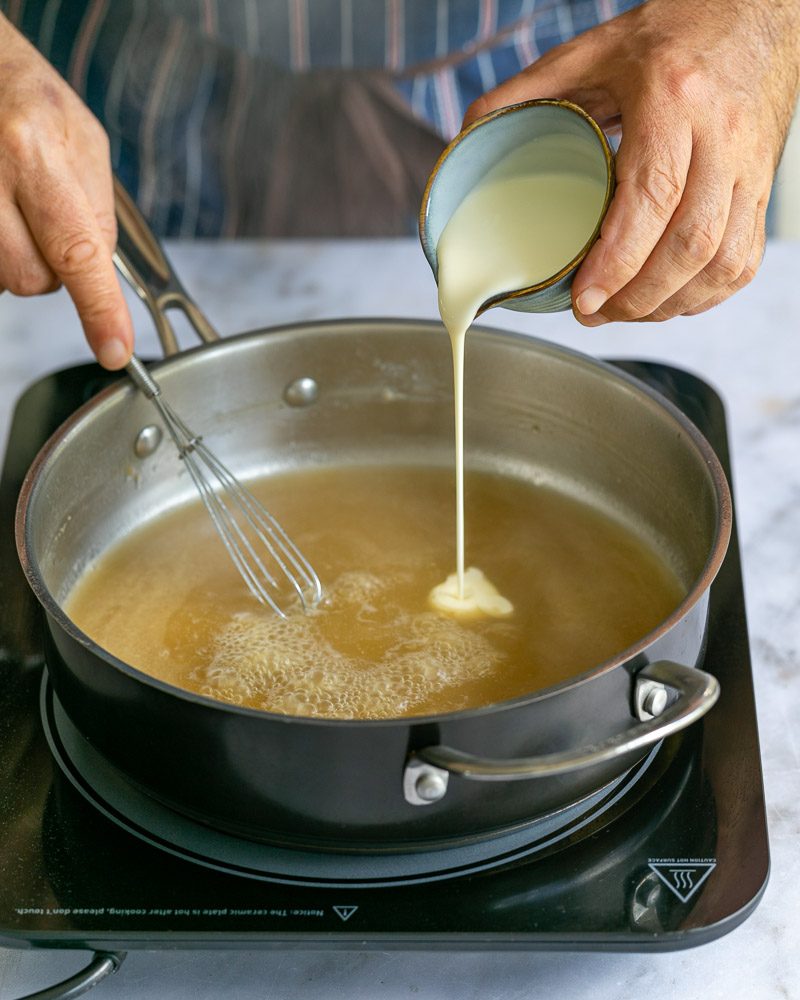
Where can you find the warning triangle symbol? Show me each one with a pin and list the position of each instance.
(345, 912)
(683, 879)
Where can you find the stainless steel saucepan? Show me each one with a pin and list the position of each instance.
(374, 391)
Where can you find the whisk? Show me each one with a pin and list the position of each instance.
(269, 562)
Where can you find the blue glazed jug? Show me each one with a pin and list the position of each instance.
(488, 141)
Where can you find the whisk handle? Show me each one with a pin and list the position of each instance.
(141, 260)
(142, 378)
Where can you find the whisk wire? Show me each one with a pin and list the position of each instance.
(228, 528)
(243, 524)
(263, 523)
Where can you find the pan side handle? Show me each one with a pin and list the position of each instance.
(427, 771)
(141, 260)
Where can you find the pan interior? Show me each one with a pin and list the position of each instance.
(540, 418)
(170, 601)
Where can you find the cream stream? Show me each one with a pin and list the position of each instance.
(517, 227)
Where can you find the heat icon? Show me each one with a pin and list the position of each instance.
(683, 878)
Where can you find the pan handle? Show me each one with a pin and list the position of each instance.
(427, 771)
(141, 260)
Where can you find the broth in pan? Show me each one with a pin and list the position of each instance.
(169, 601)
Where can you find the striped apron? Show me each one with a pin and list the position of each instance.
(289, 117)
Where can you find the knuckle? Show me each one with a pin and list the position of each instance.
(704, 306)
(686, 83)
(694, 244)
(682, 303)
(667, 310)
(726, 265)
(32, 281)
(661, 188)
(102, 307)
(748, 273)
(73, 254)
(624, 260)
(19, 137)
(107, 223)
(627, 305)
(753, 263)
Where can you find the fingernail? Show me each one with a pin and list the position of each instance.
(590, 300)
(113, 354)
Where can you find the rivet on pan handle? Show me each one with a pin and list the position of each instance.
(696, 691)
(141, 260)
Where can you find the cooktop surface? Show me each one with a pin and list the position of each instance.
(672, 855)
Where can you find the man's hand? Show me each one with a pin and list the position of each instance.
(57, 222)
(704, 94)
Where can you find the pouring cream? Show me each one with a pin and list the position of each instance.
(520, 225)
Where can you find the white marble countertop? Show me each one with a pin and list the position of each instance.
(750, 349)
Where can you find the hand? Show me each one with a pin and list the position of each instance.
(703, 93)
(57, 222)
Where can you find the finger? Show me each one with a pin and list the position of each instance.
(93, 170)
(99, 188)
(751, 266)
(724, 269)
(689, 242)
(23, 270)
(69, 238)
(541, 79)
(652, 168)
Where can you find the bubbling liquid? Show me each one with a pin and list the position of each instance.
(168, 600)
(296, 668)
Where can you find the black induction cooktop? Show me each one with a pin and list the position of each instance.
(674, 855)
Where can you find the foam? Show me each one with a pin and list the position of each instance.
(292, 667)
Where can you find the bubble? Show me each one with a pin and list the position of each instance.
(293, 666)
